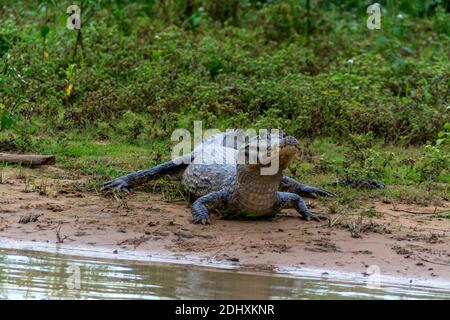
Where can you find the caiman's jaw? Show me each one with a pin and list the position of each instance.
(262, 152)
(288, 151)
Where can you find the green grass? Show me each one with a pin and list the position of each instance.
(104, 160)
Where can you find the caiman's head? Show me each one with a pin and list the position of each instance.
(270, 152)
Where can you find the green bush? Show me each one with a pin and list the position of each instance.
(313, 72)
(434, 165)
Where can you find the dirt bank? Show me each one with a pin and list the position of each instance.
(407, 240)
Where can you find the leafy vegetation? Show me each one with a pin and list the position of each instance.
(365, 103)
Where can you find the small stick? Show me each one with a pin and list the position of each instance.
(59, 239)
(417, 212)
(433, 262)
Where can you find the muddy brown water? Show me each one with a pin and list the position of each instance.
(28, 274)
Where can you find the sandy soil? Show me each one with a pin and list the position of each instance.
(402, 243)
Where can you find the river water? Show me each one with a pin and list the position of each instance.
(28, 274)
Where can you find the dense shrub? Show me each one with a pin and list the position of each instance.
(147, 67)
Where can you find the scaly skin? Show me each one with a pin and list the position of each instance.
(220, 183)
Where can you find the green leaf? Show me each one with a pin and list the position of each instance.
(42, 8)
(4, 46)
(44, 31)
(6, 120)
(408, 50)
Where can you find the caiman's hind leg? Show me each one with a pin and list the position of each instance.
(287, 199)
(303, 189)
(125, 183)
(201, 206)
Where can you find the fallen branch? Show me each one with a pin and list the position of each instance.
(27, 159)
(418, 212)
(433, 262)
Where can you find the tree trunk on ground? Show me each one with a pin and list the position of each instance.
(27, 159)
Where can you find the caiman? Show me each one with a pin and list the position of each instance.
(219, 176)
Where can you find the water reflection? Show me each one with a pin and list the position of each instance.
(31, 275)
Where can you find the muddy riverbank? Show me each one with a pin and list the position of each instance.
(406, 240)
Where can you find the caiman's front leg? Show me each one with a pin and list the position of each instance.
(305, 190)
(201, 206)
(129, 181)
(286, 199)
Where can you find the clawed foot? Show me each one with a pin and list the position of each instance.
(315, 192)
(201, 220)
(309, 216)
(117, 184)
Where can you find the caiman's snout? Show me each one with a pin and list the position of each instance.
(289, 141)
(266, 149)
(289, 146)
(288, 150)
